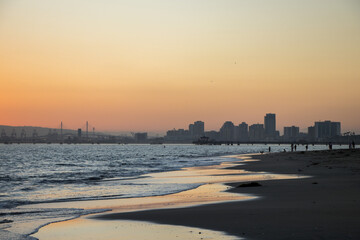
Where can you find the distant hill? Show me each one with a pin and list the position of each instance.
(41, 131)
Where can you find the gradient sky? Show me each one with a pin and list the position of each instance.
(154, 65)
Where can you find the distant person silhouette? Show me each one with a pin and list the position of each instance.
(330, 146)
(269, 149)
(292, 147)
(306, 147)
(295, 147)
(353, 144)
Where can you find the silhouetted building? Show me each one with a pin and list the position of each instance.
(191, 129)
(196, 130)
(212, 135)
(227, 131)
(141, 137)
(327, 129)
(243, 132)
(311, 133)
(302, 136)
(270, 125)
(291, 133)
(199, 128)
(180, 135)
(256, 132)
(79, 132)
(236, 133)
(277, 134)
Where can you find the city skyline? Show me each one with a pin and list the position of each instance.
(279, 129)
(269, 129)
(154, 65)
(266, 131)
(229, 133)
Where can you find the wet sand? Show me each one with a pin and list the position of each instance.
(212, 189)
(325, 206)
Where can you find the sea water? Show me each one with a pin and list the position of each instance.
(43, 173)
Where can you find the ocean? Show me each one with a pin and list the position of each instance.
(45, 173)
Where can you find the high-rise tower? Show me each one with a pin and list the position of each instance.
(270, 125)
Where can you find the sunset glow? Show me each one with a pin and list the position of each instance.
(139, 65)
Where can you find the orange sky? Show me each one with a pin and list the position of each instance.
(139, 65)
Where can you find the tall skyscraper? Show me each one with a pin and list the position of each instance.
(270, 125)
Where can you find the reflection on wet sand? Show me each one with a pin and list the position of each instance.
(125, 230)
(211, 189)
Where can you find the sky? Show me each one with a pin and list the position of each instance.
(154, 65)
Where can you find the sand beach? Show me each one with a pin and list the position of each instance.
(318, 198)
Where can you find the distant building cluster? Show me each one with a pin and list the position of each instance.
(266, 132)
(195, 131)
(259, 132)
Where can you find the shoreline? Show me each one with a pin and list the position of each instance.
(255, 219)
(212, 188)
(325, 206)
(200, 176)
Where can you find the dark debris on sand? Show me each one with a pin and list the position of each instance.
(251, 184)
